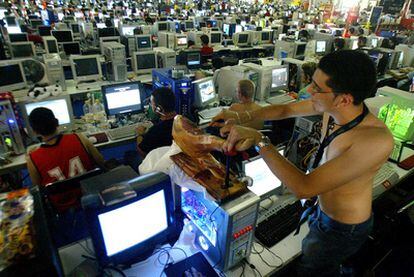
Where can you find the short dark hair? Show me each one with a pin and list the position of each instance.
(165, 98)
(350, 72)
(362, 39)
(340, 43)
(204, 39)
(43, 121)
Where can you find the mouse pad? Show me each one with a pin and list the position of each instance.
(194, 266)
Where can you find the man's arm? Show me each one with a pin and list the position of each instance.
(92, 151)
(364, 156)
(272, 112)
(34, 174)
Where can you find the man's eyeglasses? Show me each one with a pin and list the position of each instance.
(313, 87)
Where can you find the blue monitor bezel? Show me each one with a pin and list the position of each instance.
(144, 249)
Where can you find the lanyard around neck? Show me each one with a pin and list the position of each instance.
(328, 139)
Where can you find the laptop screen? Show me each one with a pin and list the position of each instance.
(264, 181)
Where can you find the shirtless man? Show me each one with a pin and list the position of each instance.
(343, 178)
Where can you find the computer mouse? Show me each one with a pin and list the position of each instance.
(93, 140)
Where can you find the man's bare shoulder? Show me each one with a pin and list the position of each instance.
(374, 134)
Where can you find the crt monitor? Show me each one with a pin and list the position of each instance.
(215, 37)
(18, 37)
(128, 30)
(193, 59)
(300, 50)
(51, 45)
(60, 107)
(374, 42)
(265, 37)
(11, 76)
(226, 29)
(71, 48)
(320, 47)
(265, 183)
(162, 26)
(279, 78)
(189, 24)
(85, 68)
(205, 92)
(144, 61)
(44, 30)
(108, 32)
(63, 35)
(22, 49)
(241, 39)
(35, 23)
(122, 98)
(126, 232)
(181, 41)
(143, 42)
(75, 27)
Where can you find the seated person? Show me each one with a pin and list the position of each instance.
(245, 93)
(308, 69)
(362, 42)
(206, 50)
(339, 44)
(160, 134)
(60, 156)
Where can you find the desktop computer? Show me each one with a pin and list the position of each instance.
(227, 78)
(166, 57)
(204, 92)
(54, 70)
(12, 76)
(124, 98)
(181, 88)
(224, 233)
(115, 53)
(11, 139)
(166, 39)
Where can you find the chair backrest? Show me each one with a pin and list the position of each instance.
(66, 194)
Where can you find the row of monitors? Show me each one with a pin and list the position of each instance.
(87, 67)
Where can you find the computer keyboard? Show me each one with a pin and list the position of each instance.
(279, 224)
(125, 131)
(280, 99)
(386, 173)
(210, 113)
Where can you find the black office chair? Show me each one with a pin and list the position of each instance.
(63, 209)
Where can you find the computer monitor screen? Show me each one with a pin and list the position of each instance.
(226, 29)
(86, 67)
(44, 30)
(162, 26)
(205, 92)
(122, 98)
(265, 36)
(374, 42)
(146, 61)
(108, 32)
(72, 48)
(75, 28)
(264, 181)
(59, 108)
(239, 28)
(100, 25)
(120, 232)
(11, 21)
(189, 25)
(354, 44)
(52, 46)
(215, 38)
(18, 37)
(22, 50)
(10, 74)
(126, 232)
(193, 59)
(35, 23)
(62, 35)
(320, 47)
(181, 41)
(300, 50)
(128, 30)
(143, 42)
(243, 38)
(279, 78)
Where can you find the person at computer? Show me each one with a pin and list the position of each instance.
(362, 42)
(245, 93)
(308, 70)
(160, 134)
(205, 50)
(60, 156)
(356, 145)
(339, 44)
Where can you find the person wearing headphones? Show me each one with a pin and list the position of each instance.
(160, 134)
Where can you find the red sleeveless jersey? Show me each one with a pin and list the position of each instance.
(66, 158)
